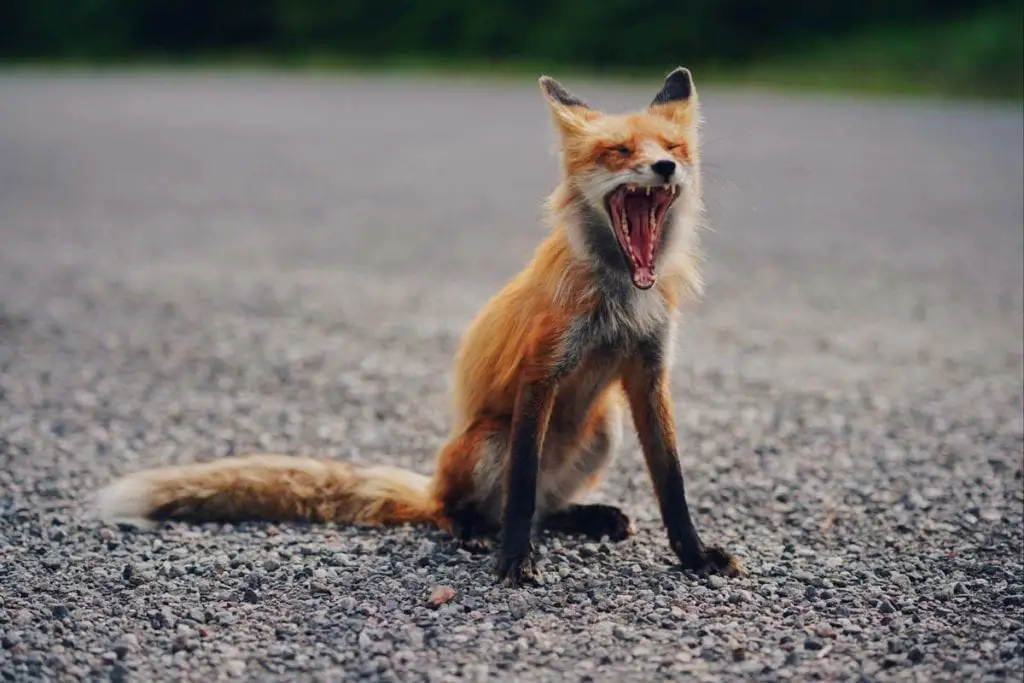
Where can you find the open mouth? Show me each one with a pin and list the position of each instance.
(638, 216)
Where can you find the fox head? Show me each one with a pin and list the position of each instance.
(632, 180)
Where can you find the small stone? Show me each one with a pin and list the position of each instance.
(365, 641)
(60, 612)
(477, 673)
(250, 596)
(824, 630)
(518, 607)
(716, 581)
(886, 607)
(902, 581)
(234, 668)
(125, 645)
(440, 595)
(916, 655)
(813, 644)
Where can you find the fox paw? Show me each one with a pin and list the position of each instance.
(517, 570)
(473, 546)
(713, 560)
(606, 520)
(592, 521)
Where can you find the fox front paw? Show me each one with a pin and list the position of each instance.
(517, 569)
(712, 560)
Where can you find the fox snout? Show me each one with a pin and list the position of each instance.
(664, 168)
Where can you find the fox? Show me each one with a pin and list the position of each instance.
(543, 376)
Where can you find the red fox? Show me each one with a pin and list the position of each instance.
(543, 375)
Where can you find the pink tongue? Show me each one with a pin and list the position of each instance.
(638, 213)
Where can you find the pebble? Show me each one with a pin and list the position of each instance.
(440, 595)
(235, 668)
(824, 630)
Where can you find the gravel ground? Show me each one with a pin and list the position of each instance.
(192, 267)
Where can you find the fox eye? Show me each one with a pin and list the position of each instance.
(624, 150)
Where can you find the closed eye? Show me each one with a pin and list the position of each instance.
(624, 150)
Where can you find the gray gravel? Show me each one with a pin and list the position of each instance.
(197, 266)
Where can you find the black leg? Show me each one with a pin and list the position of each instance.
(646, 384)
(593, 521)
(516, 561)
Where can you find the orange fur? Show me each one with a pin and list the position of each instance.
(597, 142)
(515, 341)
(271, 487)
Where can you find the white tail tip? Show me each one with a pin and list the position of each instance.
(126, 501)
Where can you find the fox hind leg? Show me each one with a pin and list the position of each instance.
(592, 521)
(457, 487)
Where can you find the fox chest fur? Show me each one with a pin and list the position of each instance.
(585, 359)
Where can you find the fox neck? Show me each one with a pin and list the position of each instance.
(594, 246)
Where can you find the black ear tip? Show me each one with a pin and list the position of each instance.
(557, 92)
(680, 78)
(678, 86)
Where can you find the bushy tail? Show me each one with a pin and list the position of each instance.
(270, 487)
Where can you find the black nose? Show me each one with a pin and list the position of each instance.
(664, 168)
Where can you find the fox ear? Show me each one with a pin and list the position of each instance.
(570, 112)
(677, 100)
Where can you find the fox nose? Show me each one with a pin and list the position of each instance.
(665, 168)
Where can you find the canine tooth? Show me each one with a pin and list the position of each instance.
(648, 190)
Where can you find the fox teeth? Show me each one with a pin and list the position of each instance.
(648, 188)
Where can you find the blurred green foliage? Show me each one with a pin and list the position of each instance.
(592, 34)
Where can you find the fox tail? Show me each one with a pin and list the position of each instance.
(270, 487)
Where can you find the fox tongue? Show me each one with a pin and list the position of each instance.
(641, 236)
